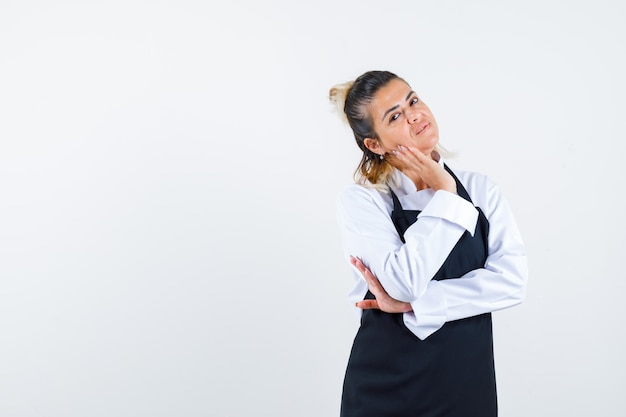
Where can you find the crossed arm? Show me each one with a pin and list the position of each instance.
(383, 301)
(400, 276)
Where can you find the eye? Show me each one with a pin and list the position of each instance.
(414, 100)
(394, 117)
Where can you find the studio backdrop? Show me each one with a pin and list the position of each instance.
(168, 179)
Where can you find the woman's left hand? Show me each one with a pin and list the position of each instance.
(383, 300)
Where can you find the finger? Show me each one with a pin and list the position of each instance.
(399, 154)
(368, 305)
(404, 161)
(374, 285)
(372, 282)
(354, 260)
(361, 267)
(419, 155)
(370, 278)
(412, 157)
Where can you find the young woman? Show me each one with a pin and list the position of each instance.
(435, 252)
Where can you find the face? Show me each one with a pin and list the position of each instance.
(401, 118)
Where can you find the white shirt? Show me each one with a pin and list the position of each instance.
(406, 270)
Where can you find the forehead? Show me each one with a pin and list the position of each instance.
(392, 94)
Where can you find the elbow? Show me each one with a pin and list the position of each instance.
(517, 288)
(513, 274)
(511, 284)
(522, 281)
(518, 297)
(518, 282)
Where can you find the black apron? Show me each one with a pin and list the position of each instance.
(392, 373)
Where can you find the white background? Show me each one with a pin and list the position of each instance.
(168, 176)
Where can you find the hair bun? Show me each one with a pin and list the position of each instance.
(337, 96)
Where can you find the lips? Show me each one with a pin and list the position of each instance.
(422, 128)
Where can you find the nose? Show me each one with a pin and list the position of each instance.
(412, 115)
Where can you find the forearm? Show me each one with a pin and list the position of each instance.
(479, 291)
(486, 290)
(501, 283)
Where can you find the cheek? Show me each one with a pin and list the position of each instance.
(390, 140)
(393, 133)
(402, 136)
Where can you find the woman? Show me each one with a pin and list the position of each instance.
(438, 250)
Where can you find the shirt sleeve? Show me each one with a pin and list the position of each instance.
(404, 270)
(500, 284)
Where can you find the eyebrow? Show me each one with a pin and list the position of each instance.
(397, 105)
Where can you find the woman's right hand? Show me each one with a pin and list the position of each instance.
(383, 301)
(418, 166)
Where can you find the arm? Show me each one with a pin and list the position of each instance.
(500, 284)
(383, 301)
(404, 270)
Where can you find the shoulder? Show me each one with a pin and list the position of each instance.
(358, 193)
(473, 180)
(481, 187)
(357, 197)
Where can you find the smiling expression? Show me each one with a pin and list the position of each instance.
(401, 118)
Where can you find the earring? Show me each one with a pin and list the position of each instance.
(382, 157)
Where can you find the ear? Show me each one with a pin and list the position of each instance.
(374, 146)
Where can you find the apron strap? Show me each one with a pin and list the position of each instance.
(459, 187)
